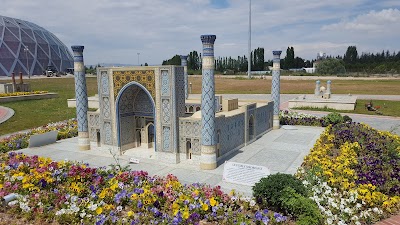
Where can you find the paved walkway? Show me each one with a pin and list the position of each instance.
(280, 150)
(5, 114)
(394, 220)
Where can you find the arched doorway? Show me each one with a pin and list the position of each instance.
(150, 135)
(188, 149)
(251, 128)
(135, 110)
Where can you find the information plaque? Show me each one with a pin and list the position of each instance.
(245, 174)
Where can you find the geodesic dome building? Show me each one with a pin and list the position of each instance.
(26, 46)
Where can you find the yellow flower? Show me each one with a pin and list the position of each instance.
(134, 196)
(103, 193)
(185, 214)
(204, 207)
(213, 202)
(130, 213)
(99, 210)
(175, 206)
(1, 185)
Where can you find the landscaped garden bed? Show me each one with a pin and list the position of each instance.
(66, 129)
(351, 176)
(22, 96)
(74, 193)
(22, 93)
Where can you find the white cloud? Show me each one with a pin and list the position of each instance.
(115, 31)
(373, 21)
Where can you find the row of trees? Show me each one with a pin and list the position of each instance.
(223, 63)
(381, 62)
(351, 61)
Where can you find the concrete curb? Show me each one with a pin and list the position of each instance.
(5, 114)
(28, 97)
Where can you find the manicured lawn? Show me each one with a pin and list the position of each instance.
(385, 108)
(29, 114)
(258, 86)
(34, 113)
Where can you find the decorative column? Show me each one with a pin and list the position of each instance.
(185, 74)
(81, 98)
(208, 134)
(317, 87)
(275, 91)
(328, 87)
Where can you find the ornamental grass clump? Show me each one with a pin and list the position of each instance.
(73, 193)
(66, 129)
(353, 172)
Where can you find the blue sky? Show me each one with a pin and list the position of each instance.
(114, 31)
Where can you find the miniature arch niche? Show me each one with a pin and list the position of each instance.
(119, 98)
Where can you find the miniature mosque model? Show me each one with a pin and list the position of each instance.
(147, 109)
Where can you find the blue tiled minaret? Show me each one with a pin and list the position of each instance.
(208, 133)
(185, 74)
(81, 98)
(275, 91)
(317, 87)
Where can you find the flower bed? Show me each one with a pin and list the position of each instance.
(22, 93)
(66, 129)
(73, 193)
(294, 118)
(354, 174)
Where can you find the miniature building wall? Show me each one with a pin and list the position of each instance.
(229, 104)
(94, 126)
(126, 93)
(232, 129)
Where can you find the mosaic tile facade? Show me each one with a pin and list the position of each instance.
(231, 130)
(143, 77)
(94, 125)
(276, 72)
(105, 119)
(185, 75)
(208, 91)
(190, 131)
(80, 89)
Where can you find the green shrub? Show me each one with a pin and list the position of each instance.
(269, 189)
(303, 209)
(347, 119)
(333, 118)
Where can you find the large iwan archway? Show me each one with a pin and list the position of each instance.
(135, 114)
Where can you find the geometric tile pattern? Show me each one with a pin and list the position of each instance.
(166, 109)
(276, 72)
(231, 132)
(106, 108)
(107, 133)
(43, 48)
(208, 108)
(166, 139)
(142, 103)
(165, 87)
(208, 132)
(180, 91)
(185, 75)
(104, 83)
(80, 89)
(143, 77)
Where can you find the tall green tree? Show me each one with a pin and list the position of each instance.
(351, 55)
(176, 60)
(331, 66)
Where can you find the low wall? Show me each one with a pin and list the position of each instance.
(28, 97)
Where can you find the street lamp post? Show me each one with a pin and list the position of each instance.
(249, 64)
(26, 50)
(138, 54)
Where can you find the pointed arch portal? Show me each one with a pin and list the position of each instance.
(135, 111)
